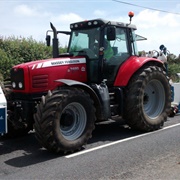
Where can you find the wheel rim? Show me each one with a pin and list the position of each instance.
(73, 121)
(154, 99)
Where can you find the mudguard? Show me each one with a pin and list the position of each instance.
(89, 90)
(70, 82)
(130, 66)
(84, 86)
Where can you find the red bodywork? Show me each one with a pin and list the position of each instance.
(40, 76)
(129, 67)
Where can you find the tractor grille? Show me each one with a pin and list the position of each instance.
(40, 81)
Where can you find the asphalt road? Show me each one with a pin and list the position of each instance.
(114, 152)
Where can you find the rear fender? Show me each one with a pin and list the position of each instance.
(130, 66)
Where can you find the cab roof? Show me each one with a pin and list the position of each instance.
(98, 23)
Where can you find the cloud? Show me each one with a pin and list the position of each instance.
(99, 13)
(149, 19)
(62, 22)
(66, 18)
(25, 10)
(177, 7)
(29, 11)
(28, 19)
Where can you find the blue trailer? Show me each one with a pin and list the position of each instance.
(175, 105)
(3, 113)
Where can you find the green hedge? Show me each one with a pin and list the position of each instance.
(173, 68)
(15, 51)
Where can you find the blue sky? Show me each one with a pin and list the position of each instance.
(31, 18)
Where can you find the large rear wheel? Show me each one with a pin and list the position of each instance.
(65, 120)
(148, 99)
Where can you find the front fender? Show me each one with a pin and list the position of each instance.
(130, 66)
(74, 83)
(89, 90)
(70, 82)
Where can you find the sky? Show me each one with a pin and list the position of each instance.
(31, 18)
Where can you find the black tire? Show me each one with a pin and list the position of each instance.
(148, 99)
(64, 120)
(171, 112)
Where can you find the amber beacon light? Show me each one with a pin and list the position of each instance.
(130, 14)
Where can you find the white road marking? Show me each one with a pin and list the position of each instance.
(117, 142)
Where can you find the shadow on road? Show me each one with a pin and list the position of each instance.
(26, 151)
(112, 131)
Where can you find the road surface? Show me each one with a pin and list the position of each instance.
(114, 152)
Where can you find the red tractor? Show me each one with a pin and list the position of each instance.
(100, 77)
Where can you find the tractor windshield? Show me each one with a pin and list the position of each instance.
(84, 42)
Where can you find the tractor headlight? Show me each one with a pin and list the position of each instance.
(95, 22)
(20, 85)
(13, 84)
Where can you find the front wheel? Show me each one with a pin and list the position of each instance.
(148, 99)
(65, 120)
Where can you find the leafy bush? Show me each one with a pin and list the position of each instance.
(24, 50)
(173, 68)
(1, 78)
(5, 64)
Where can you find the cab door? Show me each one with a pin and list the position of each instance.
(121, 51)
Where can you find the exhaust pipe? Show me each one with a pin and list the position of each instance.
(55, 50)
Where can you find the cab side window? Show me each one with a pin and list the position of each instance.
(120, 45)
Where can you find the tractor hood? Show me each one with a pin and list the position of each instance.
(51, 62)
(41, 75)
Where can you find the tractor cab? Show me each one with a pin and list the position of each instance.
(105, 44)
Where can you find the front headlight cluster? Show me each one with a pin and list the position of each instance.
(17, 79)
(17, 85)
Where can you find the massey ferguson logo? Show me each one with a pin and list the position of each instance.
(65, 62)
(59, 62)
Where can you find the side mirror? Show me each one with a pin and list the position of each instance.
(111, 33)
(48, 40)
